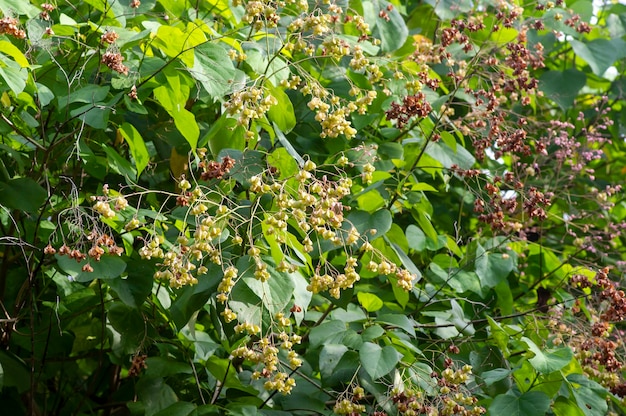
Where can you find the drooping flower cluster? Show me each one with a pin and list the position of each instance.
(10, 26)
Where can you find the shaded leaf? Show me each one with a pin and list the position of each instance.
(378, 361)
(562, 87)
(23, 194)
(531, 403)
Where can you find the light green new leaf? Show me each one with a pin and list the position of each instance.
(531, 403)
(136, 145)
(14, 76)
(550, 360)
(378, 361)
(184, 120)
(12, 7)
(369, 301)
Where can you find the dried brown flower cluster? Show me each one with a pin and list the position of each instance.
(114, 61)
(9, 26)
(601, 351)
(109, 37)
(47, 9)
(101, 244)
(138, 364)
(215, 170)
(412, 106)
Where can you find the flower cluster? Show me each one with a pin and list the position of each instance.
(109, 37)
(249, 104)
(114, 60)
(265, 355)
(453, 397)
(9, 25)
(101, 244)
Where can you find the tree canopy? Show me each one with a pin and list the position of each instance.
(303, 207)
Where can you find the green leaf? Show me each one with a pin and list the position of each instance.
(447, 156)
(549, 361)
(331, 332)
(23, 194)
(500, 336)
(492, 268)
(562, 87)
(14, 372)
(225, 133)
(565, 407)
(590, 396)
(14, 76)
(287, 145)
(130, 323)
(12, 7)
(275, 293)
(282, 113)
(173, 101)
(531, 403)
(118, 164)
(109, 267)
(177, 409)
(401, 321)
(155, 395)
(214, 69)
(378, 361)
(166, 366)
(391, 31)
(135, 288)
(600, 54)
(329, 357)
(137, 146)
(493, 376)
(406, 261)
(448, 9)
(373, 225)
(369, 301)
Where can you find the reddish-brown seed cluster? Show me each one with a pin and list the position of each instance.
(534, 203)
(9, 26)
(215, 170)
(114, 61)
(575, 23)
(138, 364)
(598, 352)
(135, 4)
(412, 105)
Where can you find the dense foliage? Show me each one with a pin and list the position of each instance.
(312, 207)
